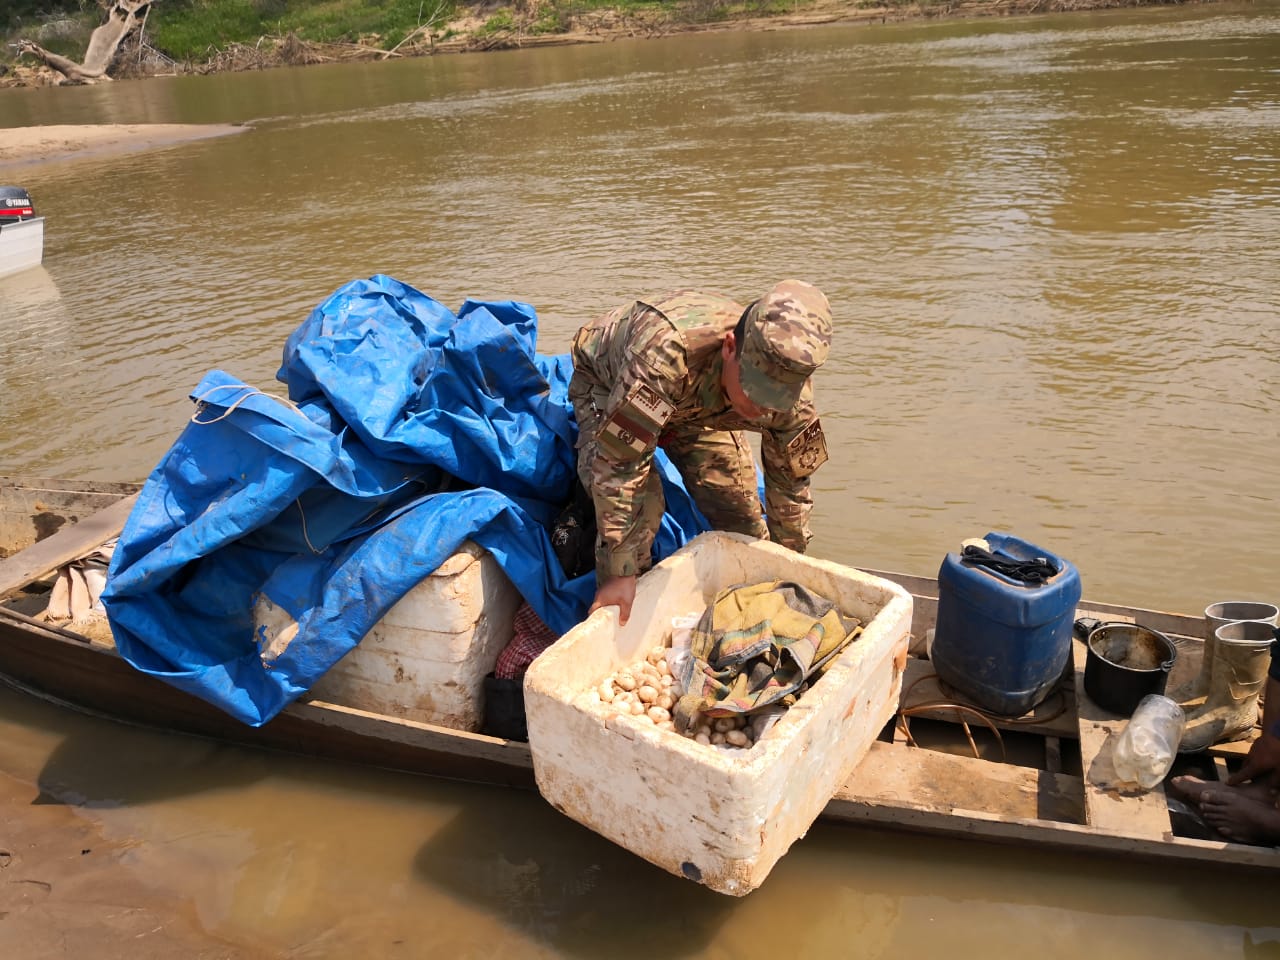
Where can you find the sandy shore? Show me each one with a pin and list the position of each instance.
(67, 891)
(31, 145)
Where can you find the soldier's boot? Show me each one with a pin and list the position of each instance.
(1237, 675)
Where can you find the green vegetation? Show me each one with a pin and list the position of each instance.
(63, 29)
(498, 23)
(187, 29)
(17, 11)
(228, 34)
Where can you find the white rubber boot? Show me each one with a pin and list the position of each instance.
(1218, 615)
(1190, 693)
(1241, 657)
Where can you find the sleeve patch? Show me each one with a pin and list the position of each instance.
(808, 450)
(633, 428)
(650, 405)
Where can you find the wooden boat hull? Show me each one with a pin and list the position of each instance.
(897, 786)
(97, 680)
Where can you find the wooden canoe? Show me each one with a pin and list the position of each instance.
(1053, 791)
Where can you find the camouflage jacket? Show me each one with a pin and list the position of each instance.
(653, 369)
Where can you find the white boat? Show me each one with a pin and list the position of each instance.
(21, 232)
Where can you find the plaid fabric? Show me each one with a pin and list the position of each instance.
(531, 637)
(757, 645)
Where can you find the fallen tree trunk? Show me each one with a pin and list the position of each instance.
(74, 72)
(123, 18)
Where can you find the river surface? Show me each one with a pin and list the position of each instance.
(1050, 246)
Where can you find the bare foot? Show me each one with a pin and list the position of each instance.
(1190, 788)
(1245, 814)
(1240, 817)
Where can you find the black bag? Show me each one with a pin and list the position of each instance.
(504, 709)
(573, 535)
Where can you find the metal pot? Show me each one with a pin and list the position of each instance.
(1126, 662)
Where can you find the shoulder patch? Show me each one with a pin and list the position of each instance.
(633, 428)
(808, 450)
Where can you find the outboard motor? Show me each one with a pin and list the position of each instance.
(15, 205)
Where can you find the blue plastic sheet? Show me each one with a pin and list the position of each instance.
(274, 534)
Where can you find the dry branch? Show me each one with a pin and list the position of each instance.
(123, 18)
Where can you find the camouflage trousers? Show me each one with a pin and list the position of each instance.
(717, 466)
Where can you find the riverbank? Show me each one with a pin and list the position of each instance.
(21, 146)
(613, 24)
(66, 891)
(489, 26)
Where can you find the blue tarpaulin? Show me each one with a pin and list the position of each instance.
(275, 533)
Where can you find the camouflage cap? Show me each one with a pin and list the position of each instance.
(786, 337)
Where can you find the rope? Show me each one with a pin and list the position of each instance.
(905, 715)
(201, 403)
(1026, 720)
(306, 539)
(1036, 570)
(988, 718)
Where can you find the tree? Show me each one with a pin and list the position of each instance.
(123, 17)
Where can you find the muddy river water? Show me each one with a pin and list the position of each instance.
(1050, 247)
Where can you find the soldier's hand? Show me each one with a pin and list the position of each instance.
(617, 592)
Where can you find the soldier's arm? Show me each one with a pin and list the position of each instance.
(638, 409)
(791, 454)
(618, 487)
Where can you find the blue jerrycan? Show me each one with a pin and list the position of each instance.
(1005, 615)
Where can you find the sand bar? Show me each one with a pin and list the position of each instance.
(21, 146)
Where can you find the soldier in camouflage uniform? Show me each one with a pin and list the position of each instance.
(691, 372)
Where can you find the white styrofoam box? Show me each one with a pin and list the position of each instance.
(720, 817)
(426, 659)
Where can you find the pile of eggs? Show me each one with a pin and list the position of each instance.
(647, 690)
